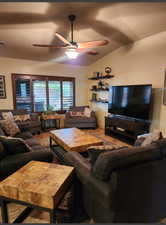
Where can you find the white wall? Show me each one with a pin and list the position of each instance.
(141, 63)
(8, 66)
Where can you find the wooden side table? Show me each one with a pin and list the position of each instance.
(58, 117)
(37, 185)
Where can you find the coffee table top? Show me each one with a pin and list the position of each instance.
(73, 139)
(38, 183)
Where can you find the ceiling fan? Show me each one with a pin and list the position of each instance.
(74, 48)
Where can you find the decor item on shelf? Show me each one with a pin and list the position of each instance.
(94, 97)
(2, 87)
(94, 88)
(100, 84)
(98, 74)
(106, 86)
(103, 100)
(108, 70)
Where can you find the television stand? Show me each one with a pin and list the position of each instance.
(125, 128)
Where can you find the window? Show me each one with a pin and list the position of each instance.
(22, 94)
(39, 96)
(54, 88)
(39, 93)
(67, 94)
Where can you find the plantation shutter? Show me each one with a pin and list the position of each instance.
(54, 88)
(68, 94)
(39, 95)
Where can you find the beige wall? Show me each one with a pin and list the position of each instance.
(140, 63)
(8, 66)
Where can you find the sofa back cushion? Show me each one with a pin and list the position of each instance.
(78, 108)
(126, 157)
(14, 145)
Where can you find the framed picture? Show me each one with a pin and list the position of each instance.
(2, 87)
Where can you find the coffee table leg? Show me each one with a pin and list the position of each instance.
(4, 211)
(53, 217)
(50, 142)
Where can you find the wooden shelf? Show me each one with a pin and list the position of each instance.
(98, 101)
(99, 89)
(101, 77)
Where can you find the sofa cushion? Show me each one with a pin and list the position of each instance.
(114, 160)
(81, 119)
(2, 151)
(10, 127)
(14, 145)
(24, 135)
(95, 151)
(78, 108)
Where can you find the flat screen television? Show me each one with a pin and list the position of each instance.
(131, 101)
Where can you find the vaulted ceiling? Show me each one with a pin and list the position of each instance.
(24, 24)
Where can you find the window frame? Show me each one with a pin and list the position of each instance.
(46, 78)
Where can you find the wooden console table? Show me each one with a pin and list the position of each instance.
(58, 117)
(37, 185)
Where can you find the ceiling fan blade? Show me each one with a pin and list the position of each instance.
(50, 46)
(63, 39)
(91, 44)
(92, 53)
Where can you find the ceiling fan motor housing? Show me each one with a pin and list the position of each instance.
(72, 17)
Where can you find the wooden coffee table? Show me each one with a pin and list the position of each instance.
(73, 139)
(38, 185)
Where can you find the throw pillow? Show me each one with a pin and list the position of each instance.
(2, 151)
(156, 135)
(95, 151)
(87, 112)
(10, 127)
(21, 118)
(14, 145)
(72, 113)
(7, 115)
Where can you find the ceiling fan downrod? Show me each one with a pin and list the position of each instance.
(72, 19)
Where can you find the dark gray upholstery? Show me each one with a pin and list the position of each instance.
(79, 121)
(135, 190)
(33, 125)
(121, 158)
(13, 162)
(10, 163)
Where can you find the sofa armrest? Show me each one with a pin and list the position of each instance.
(11, 163)
(95, 187)
(77, 160)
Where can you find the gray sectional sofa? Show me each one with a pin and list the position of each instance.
(125, 185)
(80, 121)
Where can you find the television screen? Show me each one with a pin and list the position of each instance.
(132, 100)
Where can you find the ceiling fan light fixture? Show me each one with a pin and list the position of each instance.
(71, 53)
